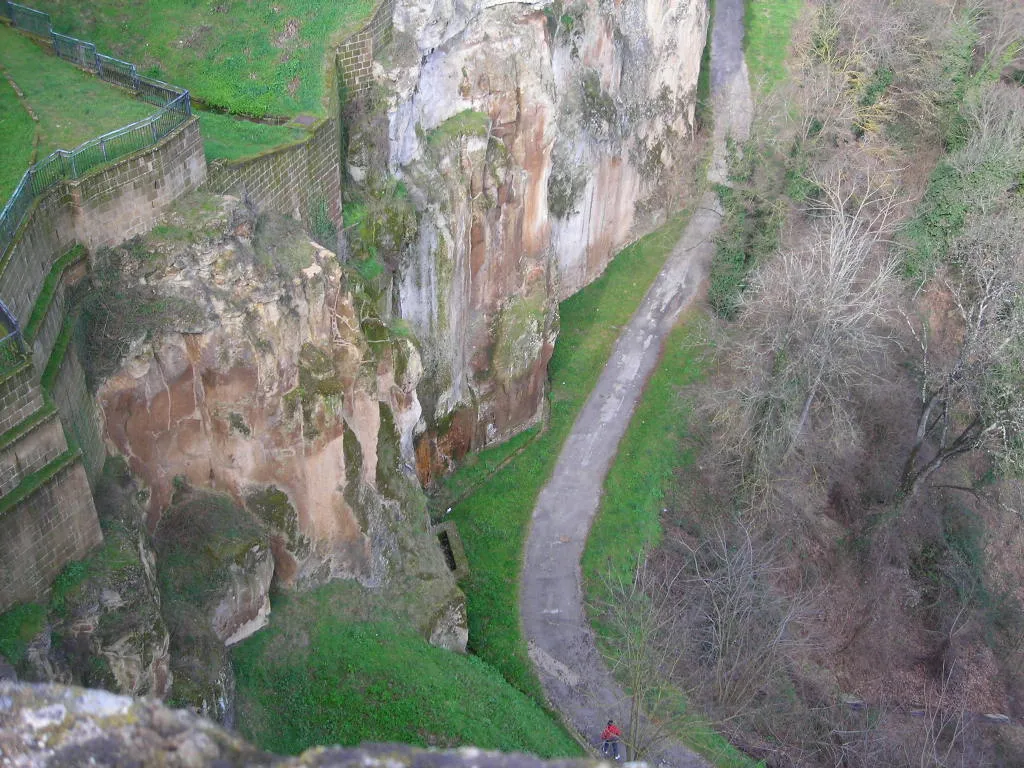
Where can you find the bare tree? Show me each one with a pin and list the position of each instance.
(643, 624)
(812, 329)
(970, 400)
(973, 401)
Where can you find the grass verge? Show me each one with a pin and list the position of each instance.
(768, 24)
(249, 58)
(314, 677)
(18, 130)
(628, 521)
(231, 138)
(72, 106)
(493, 518)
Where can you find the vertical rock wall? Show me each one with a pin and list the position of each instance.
(536, 140)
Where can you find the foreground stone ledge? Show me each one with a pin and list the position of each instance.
(56, 726)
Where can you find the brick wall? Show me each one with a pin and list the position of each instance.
(20, 397)
(41, 534)
(289, 180)
(31, 452)
(355, 54)
(79, 413)
(102, 208)
(125, 199)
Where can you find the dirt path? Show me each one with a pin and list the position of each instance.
(561, 643)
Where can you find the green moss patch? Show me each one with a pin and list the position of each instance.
(468, 122)
(18, 626)
(49, 290)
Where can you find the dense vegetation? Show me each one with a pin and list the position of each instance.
(839, 517)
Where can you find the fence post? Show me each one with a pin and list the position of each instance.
(152, 125)
(53, 42)
(135, 79)
(103, 146)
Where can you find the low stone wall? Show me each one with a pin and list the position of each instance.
(55, 524)
(292, 180)
(355, 54)
(113, 203)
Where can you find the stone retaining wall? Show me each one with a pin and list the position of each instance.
(20, 397)
(292, 180)
(105, 207)
(355, 54)
(79, 413)
(55, 524)
(37, 448)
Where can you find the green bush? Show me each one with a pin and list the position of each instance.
(750, 232)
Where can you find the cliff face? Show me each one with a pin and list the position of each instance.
(276, 382)
(536, 140)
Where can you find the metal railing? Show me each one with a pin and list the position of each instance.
(13, 351)
(175, 108)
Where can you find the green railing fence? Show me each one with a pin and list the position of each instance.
(174, 103)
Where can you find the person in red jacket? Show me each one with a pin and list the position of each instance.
(610, 740)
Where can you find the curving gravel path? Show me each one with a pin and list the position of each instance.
(561, 643)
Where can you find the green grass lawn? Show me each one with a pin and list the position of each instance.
(253, 58)
(230, 138)
(72, 106)
(314, 677)
(493, 518)
(18, 132)
(769, 24)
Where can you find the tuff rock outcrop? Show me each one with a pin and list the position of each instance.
(280, 383)
(51, 726)
(535, 139)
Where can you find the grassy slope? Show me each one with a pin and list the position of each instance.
(18, 132)
(71, 105)
(229, 138)
(314, 677)
(248, 57)
(493, 518)
(768, 27)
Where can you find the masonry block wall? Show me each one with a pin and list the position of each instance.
(41, 444)
(355, 54)
(293, 180)
(80, 414)
(47, 515)
(53, 525)
(20, 397)
(126, 198)
(102, 208)
(47, 233)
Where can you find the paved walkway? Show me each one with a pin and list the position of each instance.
(561, 643)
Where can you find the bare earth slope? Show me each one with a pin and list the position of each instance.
(561, 642)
